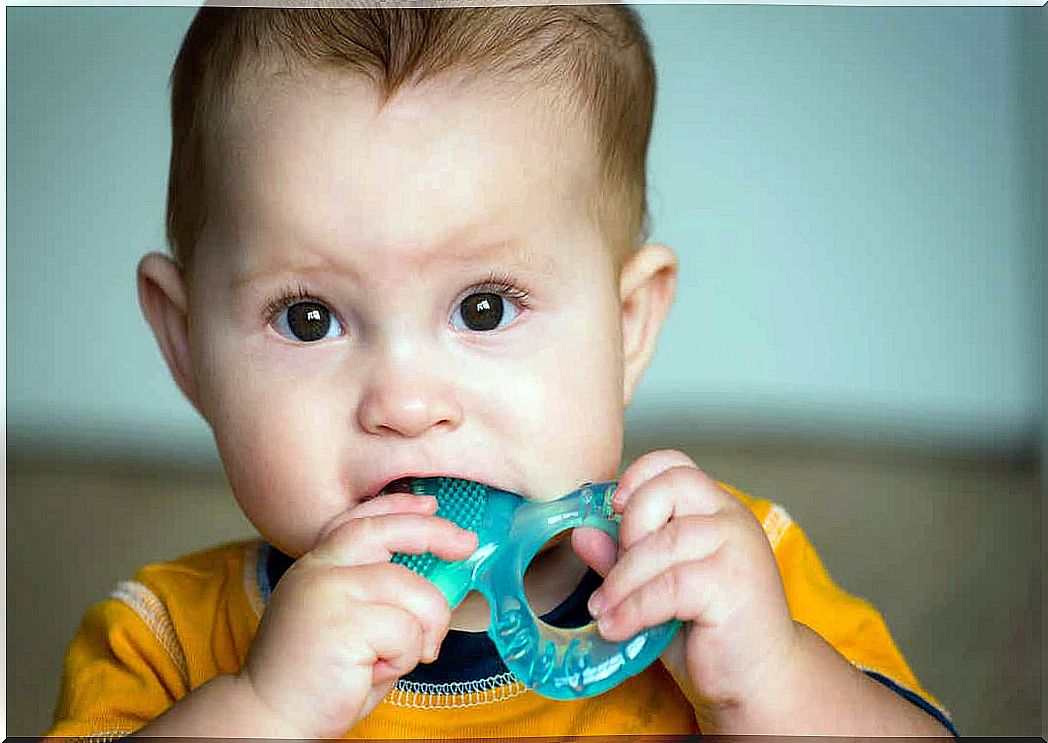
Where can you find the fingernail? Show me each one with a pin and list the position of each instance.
(617, 497)
(603, 624)
(596, 604)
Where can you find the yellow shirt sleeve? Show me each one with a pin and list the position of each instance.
(155, 639)
(850, 624)
(119, 672)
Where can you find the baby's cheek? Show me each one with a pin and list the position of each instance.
(592, 411)
(584, 429)
(287, 507)
(283, 467)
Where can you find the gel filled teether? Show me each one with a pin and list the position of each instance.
(557, 663)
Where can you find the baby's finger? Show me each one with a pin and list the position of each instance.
(645, 468)
(690, 591)
(375, 539)
(597, 549)
(396, 585)
(390, 640)
(673, 493)
(381, 506)
(679, 541)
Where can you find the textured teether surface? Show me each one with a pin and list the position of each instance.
(459, 501)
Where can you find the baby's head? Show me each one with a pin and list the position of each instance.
(408, 242)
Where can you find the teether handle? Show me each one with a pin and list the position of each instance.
(560, 663)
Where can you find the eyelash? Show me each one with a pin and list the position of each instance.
(289, 296)
(496, 283)
(500, 283)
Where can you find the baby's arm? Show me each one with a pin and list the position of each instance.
(820, 692)
(342, 625)
(690, 550)
(225, 707)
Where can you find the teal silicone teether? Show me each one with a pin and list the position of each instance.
(557, 663)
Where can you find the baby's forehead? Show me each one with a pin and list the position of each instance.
(430, 159)
(585, 97)
(463, 113)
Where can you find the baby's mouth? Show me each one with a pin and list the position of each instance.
(400, 485)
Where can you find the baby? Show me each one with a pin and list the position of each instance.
(413, 243)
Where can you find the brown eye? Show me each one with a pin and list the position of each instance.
(482, 311)
(307, 322)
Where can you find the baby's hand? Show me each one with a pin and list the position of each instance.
(344, 623)
(689, 550)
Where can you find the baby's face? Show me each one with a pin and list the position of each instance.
(419, 290)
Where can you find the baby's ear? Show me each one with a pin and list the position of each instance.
(647, 284)
(163, 299)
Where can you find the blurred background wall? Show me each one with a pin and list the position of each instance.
(857, 197)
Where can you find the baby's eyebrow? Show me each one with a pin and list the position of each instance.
(507, 251)
(246, 279)
(509, 254)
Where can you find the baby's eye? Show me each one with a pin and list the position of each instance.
(483, 311)
(307, 321)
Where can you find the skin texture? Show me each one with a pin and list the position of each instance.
(390, 217)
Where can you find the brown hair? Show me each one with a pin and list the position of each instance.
(597, 54)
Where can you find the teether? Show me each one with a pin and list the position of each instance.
(555, 662)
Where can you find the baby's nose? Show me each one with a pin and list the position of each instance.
(401, 406)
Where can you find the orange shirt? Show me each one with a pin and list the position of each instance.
(179, 624)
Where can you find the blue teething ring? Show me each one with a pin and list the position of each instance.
(556, 662)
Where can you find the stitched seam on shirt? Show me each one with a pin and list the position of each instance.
(150, 610)
(457, 687)
(775, 524)
(252, 555)
(103, 736)
(455, 694)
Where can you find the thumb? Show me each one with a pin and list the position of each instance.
(595, 548)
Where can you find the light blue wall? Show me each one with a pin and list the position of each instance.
(856, 195)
